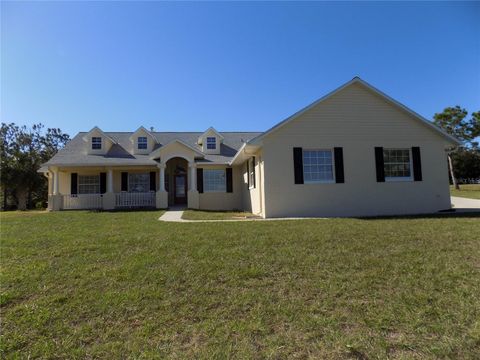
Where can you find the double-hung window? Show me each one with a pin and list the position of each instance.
(317, 166)
(211, 143)
(214, 180)
(96, 143)
(397, 164)
(139, 182)
(142, 142)
(89, 184)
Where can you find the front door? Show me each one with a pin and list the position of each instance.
(180, 189)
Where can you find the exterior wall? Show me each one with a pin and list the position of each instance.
(252, 197)
(357, 120)
(223, 200)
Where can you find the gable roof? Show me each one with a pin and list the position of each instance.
(121, 153)
(140, 129)
(154, 154)
(357, 80)
(97, 129)
(209, 130)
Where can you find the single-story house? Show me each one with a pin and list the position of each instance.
(354, 152)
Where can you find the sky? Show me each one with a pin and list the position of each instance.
(236, 66)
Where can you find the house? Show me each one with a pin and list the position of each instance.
(354, 152)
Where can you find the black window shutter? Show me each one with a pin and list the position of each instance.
(248, 173)
(200, 180)
(254, 176)
(153, 177)
(339, 172)
(103, 183)
(228, 173)
(417, 164)
(298, 164)
(73, 183)
(379, 164)
(124, 181)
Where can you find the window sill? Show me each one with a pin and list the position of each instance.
(398, 179)
(319, 182)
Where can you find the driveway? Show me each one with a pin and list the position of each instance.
(464, 204)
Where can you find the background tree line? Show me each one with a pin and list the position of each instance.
(464, 160)
(23, 150)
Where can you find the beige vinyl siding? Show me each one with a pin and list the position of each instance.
(223, 200)
(357, 120)
(252, 198)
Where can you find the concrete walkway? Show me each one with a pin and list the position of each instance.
(465, 205)
(175, 215)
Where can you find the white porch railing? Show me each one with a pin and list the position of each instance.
(126, 199)
(82, 201)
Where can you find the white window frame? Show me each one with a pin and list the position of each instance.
(144, 142)
(97, 142)
(251, 173)
(205, 186)
(132, 182)
(81, 182)
(330, 181)
(399, 178)
(214, 143)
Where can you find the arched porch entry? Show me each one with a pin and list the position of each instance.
(176, 181)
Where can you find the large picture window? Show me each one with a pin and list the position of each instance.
(397, 164)
(89, 184)
(214, 180)
(142, 142)
(96, 143)
(317, 166)
(139, 182)
(211, 143)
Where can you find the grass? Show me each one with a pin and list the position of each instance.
(215, 215)
(123, 285)
(471, 191)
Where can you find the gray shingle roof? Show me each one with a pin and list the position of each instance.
(75, 152)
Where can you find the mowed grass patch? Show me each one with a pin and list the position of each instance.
(471, 191)
(216, 215)
(119, 285)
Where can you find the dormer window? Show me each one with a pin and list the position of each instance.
(96, 143)
(211, 143)
(142, 143)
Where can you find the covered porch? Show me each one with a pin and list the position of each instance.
(166, 184)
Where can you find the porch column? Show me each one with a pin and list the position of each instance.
(55, 200)
(193, 199)
(193, 175)
(110, 180)
(162, 195)
(162, 177)
(55, 182)
(108, 199)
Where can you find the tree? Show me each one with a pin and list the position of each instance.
(454, 121)
(22, 152)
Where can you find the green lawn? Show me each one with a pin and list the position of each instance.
(471, 191)
(216, 215)
(124, 285)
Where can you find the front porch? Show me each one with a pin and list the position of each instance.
(167, 184)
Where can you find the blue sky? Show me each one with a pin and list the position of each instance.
(234, 66)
